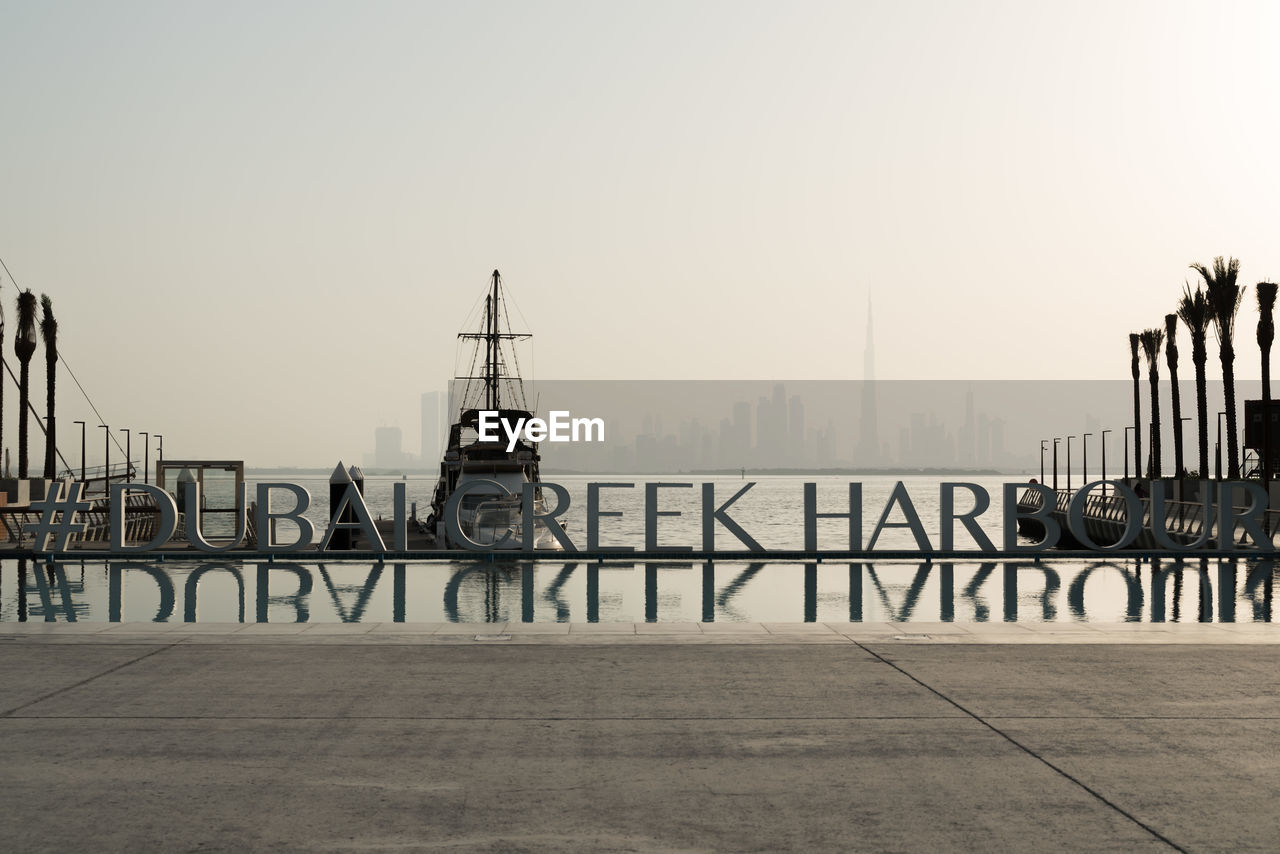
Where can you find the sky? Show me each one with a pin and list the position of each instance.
(263, 223)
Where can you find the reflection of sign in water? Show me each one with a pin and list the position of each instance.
(902, 593)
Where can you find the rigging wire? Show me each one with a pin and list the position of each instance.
(63, 359)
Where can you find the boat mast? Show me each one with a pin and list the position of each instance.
(493, 335)
(491, 348)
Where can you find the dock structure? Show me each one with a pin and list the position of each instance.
(1107, 520)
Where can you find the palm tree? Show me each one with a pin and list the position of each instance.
(49, 334)
(1224, 297)
(1194, 311)
(1151, 341)
(24, 345)
(1266, 292)
(1135, 341)
(1171, 355)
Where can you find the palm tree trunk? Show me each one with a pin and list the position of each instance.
(51, 424)
(1171, 354)
(1137, 406)
(24, 376)
(1156, 469)
(1200, 357)
(1227, 354)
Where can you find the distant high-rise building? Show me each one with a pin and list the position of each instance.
(796, 447)
(387, 451)
(868, 451)
(967, 441)
(433, 427)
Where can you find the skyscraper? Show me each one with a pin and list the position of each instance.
(868, 452)
(432, 429)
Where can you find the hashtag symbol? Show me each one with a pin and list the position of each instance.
(52, 527)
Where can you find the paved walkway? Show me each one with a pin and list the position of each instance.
(724, 737)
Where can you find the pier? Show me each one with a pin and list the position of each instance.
(580, 738)
(1106, 519)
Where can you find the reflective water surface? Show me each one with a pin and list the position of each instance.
(1121, 590)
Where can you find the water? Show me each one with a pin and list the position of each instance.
(226, 590)
(904, 592)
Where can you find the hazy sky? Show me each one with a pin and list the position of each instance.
(263, 223)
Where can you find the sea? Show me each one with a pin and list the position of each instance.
(219, 589)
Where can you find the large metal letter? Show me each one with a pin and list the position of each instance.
(351, 498)
(1133, 509)
(811, 517)
(594, 513)
(947, 500)
(1052, 530)
(454, 527)
(529, 519)
(195, 535)
(165, 525)
(264, 518)
(902, 498)
(651, 514)
(710, 514)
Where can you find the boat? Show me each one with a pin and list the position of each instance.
(490, 511)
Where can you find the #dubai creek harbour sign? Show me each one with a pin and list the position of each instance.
(1239, 504)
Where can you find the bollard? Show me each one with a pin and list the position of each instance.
(180, 496)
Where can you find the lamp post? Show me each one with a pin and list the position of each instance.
(160, 438)
(82, 428)
(1084, 463)
(146, 456)
(1069, 438)
(1043, 442)
(106, 458)
(1217, 450)
(1104, 461)
(1126, 452)
(128, 454)
(1055, 463)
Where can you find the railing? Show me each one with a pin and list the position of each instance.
(140, 515)
(1185, 518)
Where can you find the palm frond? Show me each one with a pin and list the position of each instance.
(1151, 340)
(1193, 309)
(48, 324)
(1266, 293)
(1223, 294)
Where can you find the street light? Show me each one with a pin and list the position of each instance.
(160, 438)
(1042, 449)
(1069, 438)
(146, 457)
(1084, 464)
(1055, 464)
(82, 428)
(1104, 460)
(128, 453)
(1126, 451)
(106, 459)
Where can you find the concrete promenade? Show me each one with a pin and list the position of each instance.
(639, 737)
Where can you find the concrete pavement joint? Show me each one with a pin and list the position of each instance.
(1061, 772)
(11, 712)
